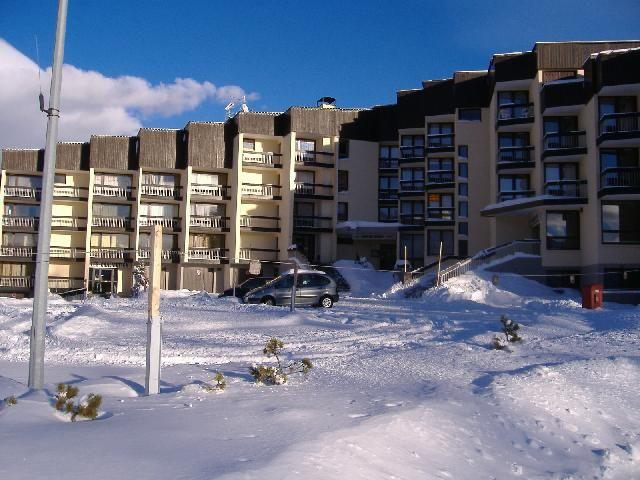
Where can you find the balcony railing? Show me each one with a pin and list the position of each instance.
(440, 140)
(387, 218)
(412, 219)
(565, 140)
(313, 222)
(515, 111)
(166, 222)
(206, 221)
(391, 163)
(66, 252)
(514, 195)
(69, 191)
(23, 252)
(388, 194)
(304, 188)
(112, 191)
(259, 222)
(411, 186)
(266, 159)
(112, 253)
(435, 178)
(566, 188)
(66, 283)
(111, 222)
(620, 123)
(515, 154)
(260, 190)
(440, 213)
(208, 254)
(411, 152)
(22, 192)
(16, 282)
(145, 253)
(164, 191)
(310, 157)
(217, 191)
(23, 222)
(68, 222)
(266, 254)
(620, 177)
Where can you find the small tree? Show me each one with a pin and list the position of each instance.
(219, 386)
(87, 408)
(10, 400)
(140, 280)
(278, 374)
(510, 330)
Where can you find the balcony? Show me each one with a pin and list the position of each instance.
(619, 180)
(261, 191)
(69, 191)
(112, 222)
(440, 179)
(162, 191)
(262, 159)
(56, 284)
(311, 223)
(217, 192)
(165, 255)
(32, 193)
(505, 196)
(212, 255)
(67, 252)
(410, 188)
(30, 223)
(209, 222)
(112, 253)
(313, 190)
(515, 158)
(125, 193)
(262, 254)
(260, 223)
(311, 158)
(172, 223)
(412, 219)
(440, 216)
(68, 223)
(386, 218)
(515, 114)
(564, 144)
(440, 142)
(387, 194)
(412, 154)
(18, 252)
(619, 126)
(388, 163)
(16, 282)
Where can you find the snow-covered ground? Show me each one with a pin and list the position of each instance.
(404, 389)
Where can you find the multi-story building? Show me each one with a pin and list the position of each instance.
(543, 145)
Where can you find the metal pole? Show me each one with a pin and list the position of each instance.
(154, 323)
(439, 263)
(41, 287)
(294, 287)
(405, 259)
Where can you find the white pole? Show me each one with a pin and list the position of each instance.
(439, 263)
(41, 286)
(295, 284)
(154, 323)
(405, 259)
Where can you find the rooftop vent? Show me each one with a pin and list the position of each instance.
(326, 102)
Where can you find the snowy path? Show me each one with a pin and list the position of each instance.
(405, 389)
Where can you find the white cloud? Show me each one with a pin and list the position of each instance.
(91, 102)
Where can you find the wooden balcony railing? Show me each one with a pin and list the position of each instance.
(204, 221)
(23, 192)
(260, 190)
(164, 191)
(217, 191)
(23, 222)
(22, 252)
(111, 222)
(112, 191)
(16, 282)
(208, 254)
(166, 222)
(267, 159)
(260, 222)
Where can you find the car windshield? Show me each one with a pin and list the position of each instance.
(252, 283)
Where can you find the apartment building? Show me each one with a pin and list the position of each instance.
(543, 146)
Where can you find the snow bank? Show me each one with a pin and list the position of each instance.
(364, 279)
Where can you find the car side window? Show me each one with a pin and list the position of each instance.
(286, 282)
(305, 280)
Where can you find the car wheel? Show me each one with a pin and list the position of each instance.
(268, 301)
(326, 302)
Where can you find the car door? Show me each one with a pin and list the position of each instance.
(307, 289)
(282, 290)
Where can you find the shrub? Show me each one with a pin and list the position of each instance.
(10, 400)
(87, 408)
(279, 373)
(220, 385)
(510, 329)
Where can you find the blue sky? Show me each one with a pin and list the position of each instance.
(292, 52)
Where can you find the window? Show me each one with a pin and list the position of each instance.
(560, 124)
(249, 145)
(60, 179)
(618, 158)
(415, 248)
(285, 283)
(434, 239)
(463, 248)
(440, 170)
(388, 214)
(514, 147)
(207, 210)
(463, 228)
(121, 181)
(19, 239)
(513, 105)
(555, 172)
(412, 146)
(206, 241)
(388, 183)
(513, 186)
(617, 105)
(169, 242)
(439, 164)
(470, 114)
(310, 280)
(563, 230)
(21, 210)
(343, 148)
(205, 179)
(621, 279)
(412, 178)
(463, 170)
(159, 179)
(463, 189)
(389, 152)
(513, 98)
(113, 210)
(165, 210)
(343, 211)
(412, 212)
(105, 240)
(304, 209)
(440, 134)
(24, 181)
(463, 208)
(440, 206)
(343, 180)
(463, 151)
(620, 222)
(303, 145)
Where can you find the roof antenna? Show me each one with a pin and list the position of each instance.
(41, 96)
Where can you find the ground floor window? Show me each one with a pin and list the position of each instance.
(388, 214)
(563, 230)
(415, 248)
(343, 211)
(620, 222)
(434, 239)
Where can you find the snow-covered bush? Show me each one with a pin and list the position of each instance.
(140, 280)
(510, 330)
(86, 407)
(10, 400)
(219, 386)
(278, 374)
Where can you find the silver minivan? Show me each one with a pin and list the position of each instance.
(313, 289)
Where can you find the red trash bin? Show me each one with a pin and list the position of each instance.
(592, 295)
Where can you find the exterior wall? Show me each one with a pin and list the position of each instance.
(362, 195)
